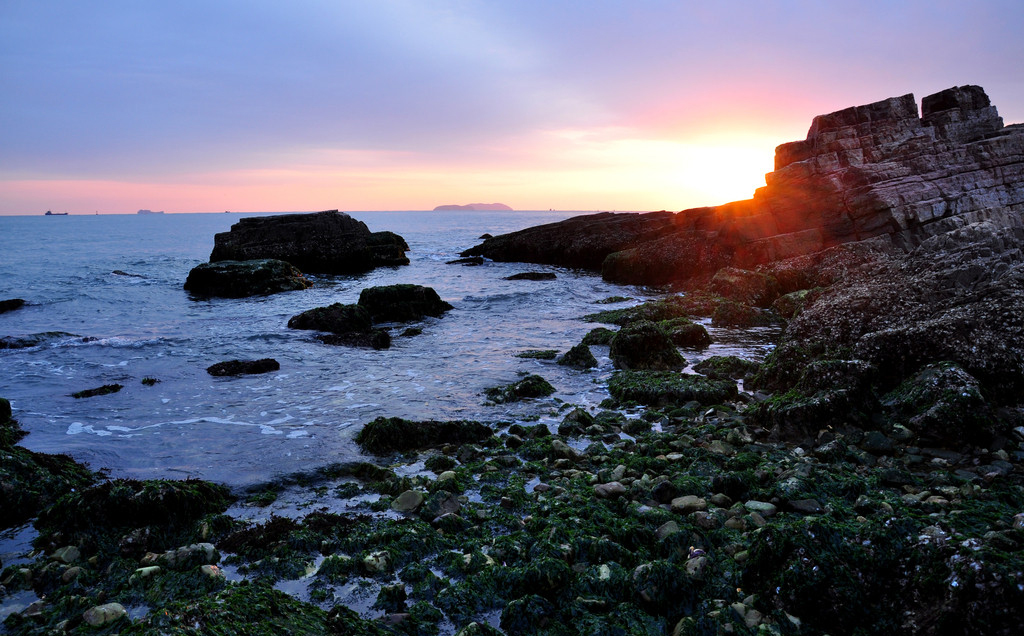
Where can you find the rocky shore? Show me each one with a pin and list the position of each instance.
(866, 478)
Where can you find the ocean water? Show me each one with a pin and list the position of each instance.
(106, 305)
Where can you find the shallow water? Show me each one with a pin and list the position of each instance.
(103, 327)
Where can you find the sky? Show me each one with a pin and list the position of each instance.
(111, 106)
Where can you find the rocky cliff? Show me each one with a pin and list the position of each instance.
(881, 172)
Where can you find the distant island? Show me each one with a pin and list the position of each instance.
(150, 212)
(473, 206)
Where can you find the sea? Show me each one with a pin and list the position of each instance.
(106, 305)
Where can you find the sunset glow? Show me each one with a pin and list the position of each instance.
(407, 105)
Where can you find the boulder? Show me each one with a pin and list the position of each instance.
(747, 287)
(401, 303)
(239, 279)
(392, 434)
(644, 345)
(532, 386)
(667, 388)
(243, 367)
(336, 318)
(329, 242)
(578, 357)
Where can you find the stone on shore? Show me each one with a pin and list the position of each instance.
(329, 242)
(104, 614)
(392, 434)
(644, 345)
(239, 279)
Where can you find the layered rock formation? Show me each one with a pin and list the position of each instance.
(880, 172)
(329, 242)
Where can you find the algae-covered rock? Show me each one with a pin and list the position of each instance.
(744, 286)
(239, 279)
(644, 345)
(393, 434)
(734, 314)
(598, 336)
(685, 333)
(723, 367)
(575, 422)
(789, 305)
(665, 388)
(578, 357)
(126, 503)
(532, 386)
(402, 303)
(943, 404)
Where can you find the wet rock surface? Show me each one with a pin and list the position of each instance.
(243, 367)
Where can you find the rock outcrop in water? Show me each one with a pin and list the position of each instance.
(878, 171)
(329, 242)
(239, 279)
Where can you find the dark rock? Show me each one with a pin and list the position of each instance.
(598, 336)
(106, 389)
(402, 303)
(532, 386)
(733, 314)
(372, 339)
(685, 333)
(644, 345)
(239, 279)
(336, 318)
(392, 434)
(943, 404)
(470, 260)
(10, 304)
(242, 367)
(744, 286)
(789, 305)
(328, 242)
(532, 276)
(579, 357)
(665, 388)
(575, 422)
(805, 507)
(664, 492)
(726, 367)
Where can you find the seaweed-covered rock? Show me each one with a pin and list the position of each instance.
(598, 336)
(744, 286)
(664, 388)
(734, 314)
(789, 305)
(686, 333)
(10, 304)
(532, 386)
(328, 242)
(726, 367)
(243, 367)
(127, 503)
(943, 404)
(654, 311)
(393, 434)
(31, 481)
(238, 279)
(644, 345)
(374, 339)
(575, 422)
(578, 357)
(401, 303)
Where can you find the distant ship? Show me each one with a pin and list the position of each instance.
(49, 213)
(150, 212)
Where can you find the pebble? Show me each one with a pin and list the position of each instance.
(103, 614)
(67, 554)
(762, 508)
(688, 503)
(408, 501)
(611, 490)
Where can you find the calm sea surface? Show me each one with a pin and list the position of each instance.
(97, 327)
